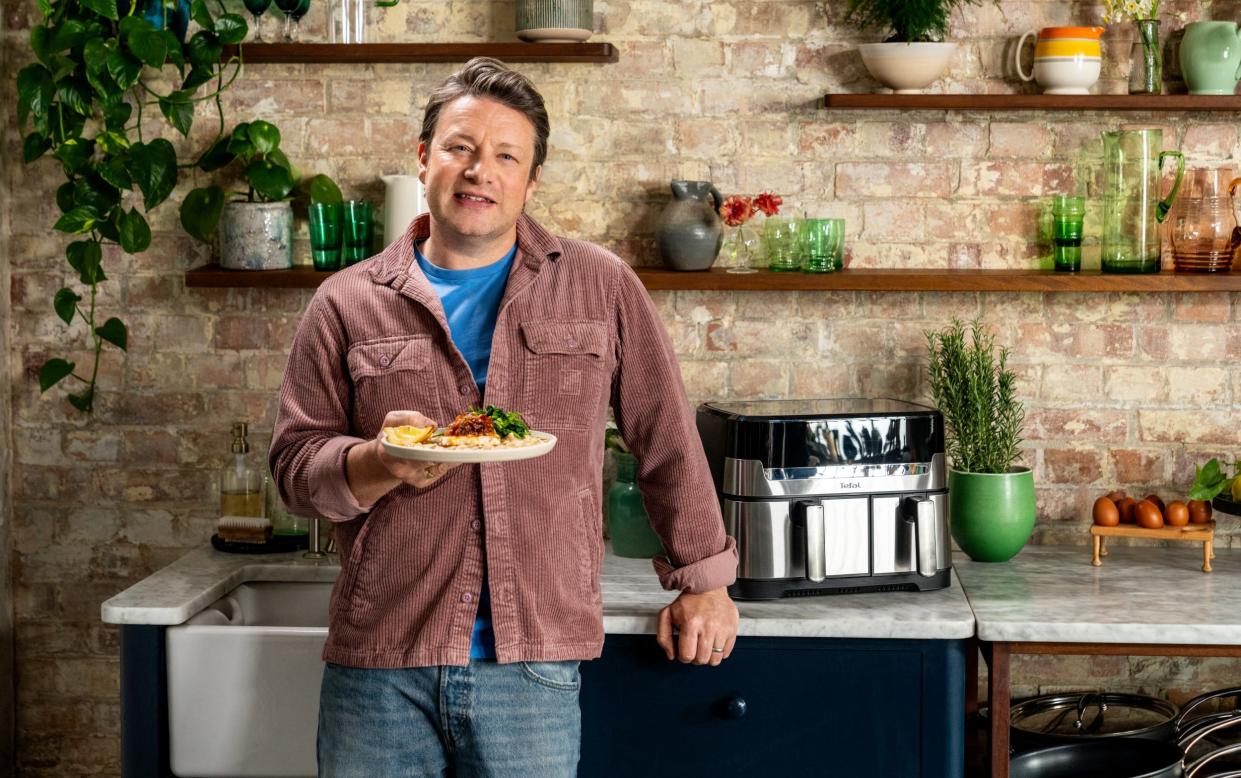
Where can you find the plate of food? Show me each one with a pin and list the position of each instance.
(487, 435)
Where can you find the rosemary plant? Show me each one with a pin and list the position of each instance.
(910, 20)
(977, 396)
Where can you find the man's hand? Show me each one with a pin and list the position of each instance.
(419, 474)
(707, 624)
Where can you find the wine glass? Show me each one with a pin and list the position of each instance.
(257, 8)
(294, 10)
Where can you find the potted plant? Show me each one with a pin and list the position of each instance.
(915, 54)
(990, 501)
(256, 227)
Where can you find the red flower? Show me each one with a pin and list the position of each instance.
(736, 210)
(769, 203)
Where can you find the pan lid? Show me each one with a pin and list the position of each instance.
(1092, 714)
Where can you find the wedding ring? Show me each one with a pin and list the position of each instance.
(715, 650)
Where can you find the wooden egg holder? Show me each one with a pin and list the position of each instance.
(1193, 533)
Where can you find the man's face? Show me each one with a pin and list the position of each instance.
(476, 169)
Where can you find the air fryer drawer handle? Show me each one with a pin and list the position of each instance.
(808, 516)
(925, 537)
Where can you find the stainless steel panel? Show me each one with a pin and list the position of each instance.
(943, 549)
(847, 533)
(770, 547)
(891, 549)
(815, 542)
(926, 535)
(748, 478)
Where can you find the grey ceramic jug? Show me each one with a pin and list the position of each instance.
(689, 231)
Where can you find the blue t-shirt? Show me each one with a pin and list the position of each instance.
(471, 300)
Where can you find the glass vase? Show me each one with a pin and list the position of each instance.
(628, 524)
(743, 250)
(1146, 60)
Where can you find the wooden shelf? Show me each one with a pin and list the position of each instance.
(359, 53)
(946, 102)
(858, 280)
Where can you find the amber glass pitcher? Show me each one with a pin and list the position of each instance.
(1205, 237)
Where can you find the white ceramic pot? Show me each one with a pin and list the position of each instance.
(907, 68)
(555, 21)
(403, 201)
(257, 236)
(1067, 76)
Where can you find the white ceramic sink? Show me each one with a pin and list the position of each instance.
(243, 682)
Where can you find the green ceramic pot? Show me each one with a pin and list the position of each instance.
(1211, 58)
(991, 515)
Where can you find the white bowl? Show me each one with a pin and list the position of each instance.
(907, 68)
(1067, 75)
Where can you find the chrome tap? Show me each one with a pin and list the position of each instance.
(315, 552)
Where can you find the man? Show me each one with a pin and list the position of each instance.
(468, 595)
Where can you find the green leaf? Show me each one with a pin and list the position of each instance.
(64, 197)
(34, 95)
(264, 136)
(105, 8)
(74, 154)
(34, 146)
(41, 43)
(175, 55)
(97, 72)
(231, 28)
(178, 110)
(323, 189)
(86, 257)
(272, 181)
(112, 142)
(52, 372)
(93, 191)
(116, 174)
(200, 13)
(95, 53)
(280, 159)
(45, 7)
(83, 401)
(134, 231)
(217, 156)
(67, 35)
(1208, 481)
(200, 212)
(205, 49)
(153, 167)
(239, 144)
(114, 332)
(78, 221)
(117, 116)
(198, 76)
(65, 304)
(76, 95)
(65, 124)
(147, 43)
(124, 69)
(108, 231)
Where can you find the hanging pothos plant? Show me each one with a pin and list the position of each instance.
(83, 102)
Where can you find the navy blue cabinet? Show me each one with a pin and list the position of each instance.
(777, 707)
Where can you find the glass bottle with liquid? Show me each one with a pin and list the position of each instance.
(628, 523)
(241, 481)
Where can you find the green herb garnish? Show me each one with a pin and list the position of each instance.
(1210, 480)
(505, 422)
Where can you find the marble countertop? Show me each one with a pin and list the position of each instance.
(1138, 595)
(632, 598)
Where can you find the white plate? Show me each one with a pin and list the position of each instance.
(429, 453)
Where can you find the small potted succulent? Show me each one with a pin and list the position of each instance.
(990, 501)
(255, 228)
(915, 54)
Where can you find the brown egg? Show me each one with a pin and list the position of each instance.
(1116, 496)
(1126, 506)
(1176, 514)
(1106, 514)
(1199, 511)
(1154, 498)
(1147, 515)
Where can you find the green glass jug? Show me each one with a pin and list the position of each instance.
(1132, 211)
(628, 523)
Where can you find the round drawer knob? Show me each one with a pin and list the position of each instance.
(736, 708)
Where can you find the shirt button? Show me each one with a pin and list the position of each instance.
(464, 389)
(476, 525)
(571, 343)
(467, 597)
(385, 360)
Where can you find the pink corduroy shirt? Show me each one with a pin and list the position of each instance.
(576, 333)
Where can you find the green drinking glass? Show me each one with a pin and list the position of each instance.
(357, 231)
(825, 245)
(781, 242)
(325, 235)
(1068, 215)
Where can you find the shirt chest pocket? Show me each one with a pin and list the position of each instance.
(566, 367)
(391, 374)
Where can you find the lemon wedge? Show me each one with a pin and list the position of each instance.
(407, 435)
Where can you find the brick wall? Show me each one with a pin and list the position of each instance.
(1121, 390)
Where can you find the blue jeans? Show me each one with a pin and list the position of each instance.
(484, 720)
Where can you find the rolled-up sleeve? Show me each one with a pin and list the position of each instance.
(312, 436)
(652, 414)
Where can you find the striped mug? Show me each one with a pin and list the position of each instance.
(1067, 60)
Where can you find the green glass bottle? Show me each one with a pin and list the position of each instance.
(628, 524)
